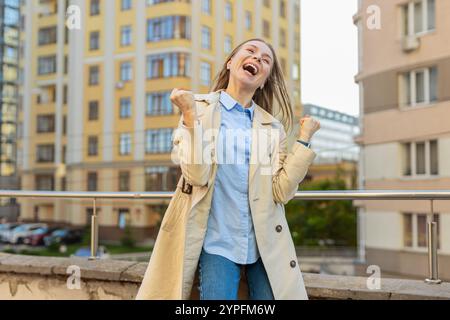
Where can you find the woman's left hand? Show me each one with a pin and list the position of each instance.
(308, 127)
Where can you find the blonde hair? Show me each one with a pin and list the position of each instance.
(275, 86)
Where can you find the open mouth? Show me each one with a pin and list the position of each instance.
(251, 68)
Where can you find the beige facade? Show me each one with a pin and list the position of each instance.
(96, 114)
(405, 131)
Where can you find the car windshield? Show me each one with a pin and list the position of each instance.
(20, 228)
(40, 231)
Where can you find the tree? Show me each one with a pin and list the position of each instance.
(315, 222)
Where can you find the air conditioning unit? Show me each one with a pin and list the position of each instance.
(411, 43)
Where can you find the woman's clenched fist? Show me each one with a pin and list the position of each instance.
(185, 101)
(308, 126)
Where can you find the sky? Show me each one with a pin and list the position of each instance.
(330, 54)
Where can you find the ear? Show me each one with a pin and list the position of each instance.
(229, 65)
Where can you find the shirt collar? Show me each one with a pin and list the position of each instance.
(229, 103)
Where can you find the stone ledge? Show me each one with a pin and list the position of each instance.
(322, 286)
(129, 273)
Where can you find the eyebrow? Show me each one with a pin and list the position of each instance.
(264, 54)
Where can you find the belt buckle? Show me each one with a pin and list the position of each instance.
(186, 187)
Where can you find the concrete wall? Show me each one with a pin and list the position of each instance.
(26, 277)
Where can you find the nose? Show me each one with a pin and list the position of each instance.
(257, 58)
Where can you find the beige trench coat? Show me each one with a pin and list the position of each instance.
(173, 263)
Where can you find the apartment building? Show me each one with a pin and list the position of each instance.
(404, 70)
(337, 153)
(96, 114)
(9, 59)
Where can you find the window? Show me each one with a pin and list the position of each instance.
(228, 46)
(124, 181)
(45, 153)
(297, 42)
(419, 17)
(125, 5)
(158, 103)
(206, 6)
(47, 36)
(92, 146)
(168, 65)
(283, 38)
(125, 36)
(125, 144)
(93, 110)
(415, 229)
(158, 178)
(283, 65)
(124, 218)
(92, 181)
(170, 27)
(266, 28)
(95, 7)
(158, 140)
(283, 8)
(47, 65)
(94, 40)
(45, 182)
(66, 64)
(205, 73)
(228, 11)
(65, 94)
(420, 158)
(93, 75)
(125, 107)
(46, 123)
(419, 87)
(126, 71)
(206, 38)
(248, 20)
(296, 13)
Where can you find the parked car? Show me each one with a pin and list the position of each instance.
(6, 228)
(36, 238)
(17, 235)
(85, 252)
(64, 236)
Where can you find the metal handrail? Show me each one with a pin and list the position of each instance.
(304, 195)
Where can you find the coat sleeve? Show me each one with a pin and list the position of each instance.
(187, 151)
(292, 168)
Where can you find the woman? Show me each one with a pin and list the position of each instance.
(227, 216)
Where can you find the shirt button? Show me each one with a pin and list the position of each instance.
(278, 228)
(293, 264)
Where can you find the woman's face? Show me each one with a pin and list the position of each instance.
(251, 65)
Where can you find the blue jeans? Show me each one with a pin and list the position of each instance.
(219, 279)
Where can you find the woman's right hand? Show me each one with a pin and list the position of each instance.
(185, 101)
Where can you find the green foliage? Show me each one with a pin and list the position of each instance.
(127, 239)
(318, 222)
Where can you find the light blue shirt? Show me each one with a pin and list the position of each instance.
(230, 231)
